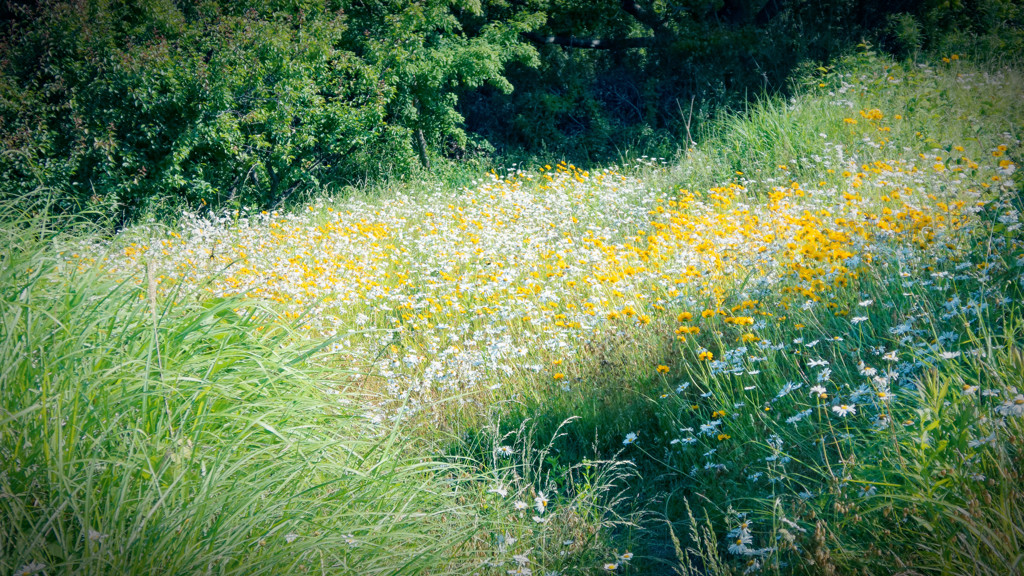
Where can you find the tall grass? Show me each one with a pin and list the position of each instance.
(188, 435)
(930, 483)
(775, 137)
(146, 437)
(925, 482)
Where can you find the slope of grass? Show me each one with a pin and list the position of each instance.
(190, 435)
(802, 338)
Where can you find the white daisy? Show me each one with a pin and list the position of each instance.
(844, 409)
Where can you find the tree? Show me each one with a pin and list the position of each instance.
(629, 70)
(129, 105)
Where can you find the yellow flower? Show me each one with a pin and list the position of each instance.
(705, 356)
(559, 375)
(662, 369)
(873, 114)
(683, 317)
(740, 320)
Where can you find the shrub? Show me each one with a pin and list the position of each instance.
(130, 107)
(901, 35)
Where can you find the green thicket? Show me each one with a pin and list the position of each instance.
(635, 75)
(127, 106)
(116, 105)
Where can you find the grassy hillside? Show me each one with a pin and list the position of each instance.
(793, 350)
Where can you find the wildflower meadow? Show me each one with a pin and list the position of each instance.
(791, 350)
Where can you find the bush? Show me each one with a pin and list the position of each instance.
(130, 108)
(902, 35)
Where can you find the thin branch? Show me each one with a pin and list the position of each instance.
(643, 15)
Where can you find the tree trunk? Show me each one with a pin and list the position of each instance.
(421, 144)
(275, 180)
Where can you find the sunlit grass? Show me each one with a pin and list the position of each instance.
(456, 293)
(144, 435)
(803, 335)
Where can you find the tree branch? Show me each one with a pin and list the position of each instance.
(643, 15)
(590, 43)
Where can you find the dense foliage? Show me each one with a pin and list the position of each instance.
(126, 106)
(646, 74)
(118, 105)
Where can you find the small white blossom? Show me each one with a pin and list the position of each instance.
(1012, 407)
(844, 409)
(540, 502)
(29, 569)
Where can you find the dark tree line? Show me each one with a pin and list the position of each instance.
(128, 105)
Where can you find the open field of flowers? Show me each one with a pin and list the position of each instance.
(804, 335)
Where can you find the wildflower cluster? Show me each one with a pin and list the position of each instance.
(861, 322)
(536, 513)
